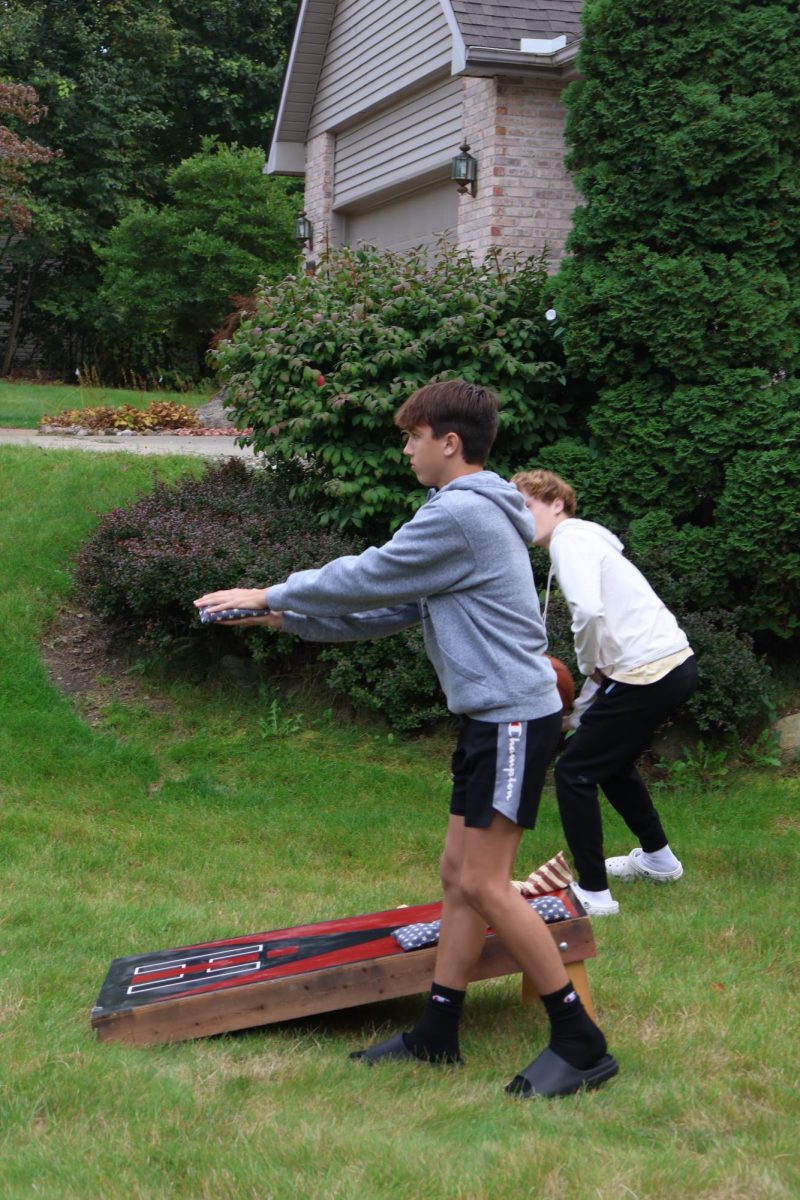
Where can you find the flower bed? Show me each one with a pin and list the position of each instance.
(160, 417)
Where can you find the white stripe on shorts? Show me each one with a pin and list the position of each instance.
(512, 738)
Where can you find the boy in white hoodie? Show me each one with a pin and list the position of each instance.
(631, 647)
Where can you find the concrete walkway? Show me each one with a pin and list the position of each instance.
(213, 446)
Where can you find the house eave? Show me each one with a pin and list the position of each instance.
(497, 60)
(286, 158)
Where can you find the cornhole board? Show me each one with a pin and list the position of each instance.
(237, 983)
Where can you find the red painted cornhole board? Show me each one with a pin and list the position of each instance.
(259, 979)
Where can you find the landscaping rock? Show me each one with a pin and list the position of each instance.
(788, 731)
(214, 414)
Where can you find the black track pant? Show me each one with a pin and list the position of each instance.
(602, 752)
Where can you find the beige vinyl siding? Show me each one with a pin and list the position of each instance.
(409, 141)
(374, 51)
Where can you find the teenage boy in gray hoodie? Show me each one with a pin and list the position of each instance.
(639, 662)
(460, 566)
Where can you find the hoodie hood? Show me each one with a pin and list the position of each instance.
(504, 495)
(575, 525)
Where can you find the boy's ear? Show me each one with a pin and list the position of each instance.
(452, 444)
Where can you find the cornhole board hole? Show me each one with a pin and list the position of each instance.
(263, 978)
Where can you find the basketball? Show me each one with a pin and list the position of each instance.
(564, 682)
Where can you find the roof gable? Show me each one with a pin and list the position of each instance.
(485, 38)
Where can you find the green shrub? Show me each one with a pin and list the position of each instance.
(685, 564)
(732, 691)
(169, 271)
(145, 564)
(320, 370)
(758, 511)
(392, 677)
(680, 298)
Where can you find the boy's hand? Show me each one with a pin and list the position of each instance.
(253, 598)
(233, 598)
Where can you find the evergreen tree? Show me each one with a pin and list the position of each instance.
(681, 297)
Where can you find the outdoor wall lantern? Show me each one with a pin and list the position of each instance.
(304, 231)
(464, 171)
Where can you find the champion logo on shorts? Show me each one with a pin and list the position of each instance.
(510, 772)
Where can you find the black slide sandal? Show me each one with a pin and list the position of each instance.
(550, 1075)
(395, 1049)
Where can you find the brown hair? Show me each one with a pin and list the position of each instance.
(454, 407)
(547, 487)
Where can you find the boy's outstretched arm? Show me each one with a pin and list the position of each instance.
(352, 627)
(429, 554)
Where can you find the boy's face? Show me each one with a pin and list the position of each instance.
(545, 515)
(431, 459)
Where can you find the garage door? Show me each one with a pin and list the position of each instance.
(413, 219)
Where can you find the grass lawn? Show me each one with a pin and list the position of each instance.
(176, 816)
(23, 404)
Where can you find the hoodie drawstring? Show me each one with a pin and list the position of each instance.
(547, 596)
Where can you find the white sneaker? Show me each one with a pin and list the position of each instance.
(629, 866)
(593, 907)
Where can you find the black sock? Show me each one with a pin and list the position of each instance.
(573, 1034)
(435, 1035)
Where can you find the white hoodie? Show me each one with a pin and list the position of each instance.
(618, 621)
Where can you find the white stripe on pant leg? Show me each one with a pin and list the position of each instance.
(512, 738)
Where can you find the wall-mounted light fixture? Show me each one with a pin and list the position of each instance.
(304, 231)
(464, 171)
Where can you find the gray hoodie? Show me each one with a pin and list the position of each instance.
(461, 567)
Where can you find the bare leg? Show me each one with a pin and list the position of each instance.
(485, 889)
(463, 929)
(476, 876)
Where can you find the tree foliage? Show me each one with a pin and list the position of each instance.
(681, 296)
(169, 271)
(20, 105)
(324, 363)
(131, 88)
(228, 72)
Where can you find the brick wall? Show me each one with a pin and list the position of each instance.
(478, 215)
(525, 194)
(319, 191)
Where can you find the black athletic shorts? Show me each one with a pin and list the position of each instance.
(501, 768)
